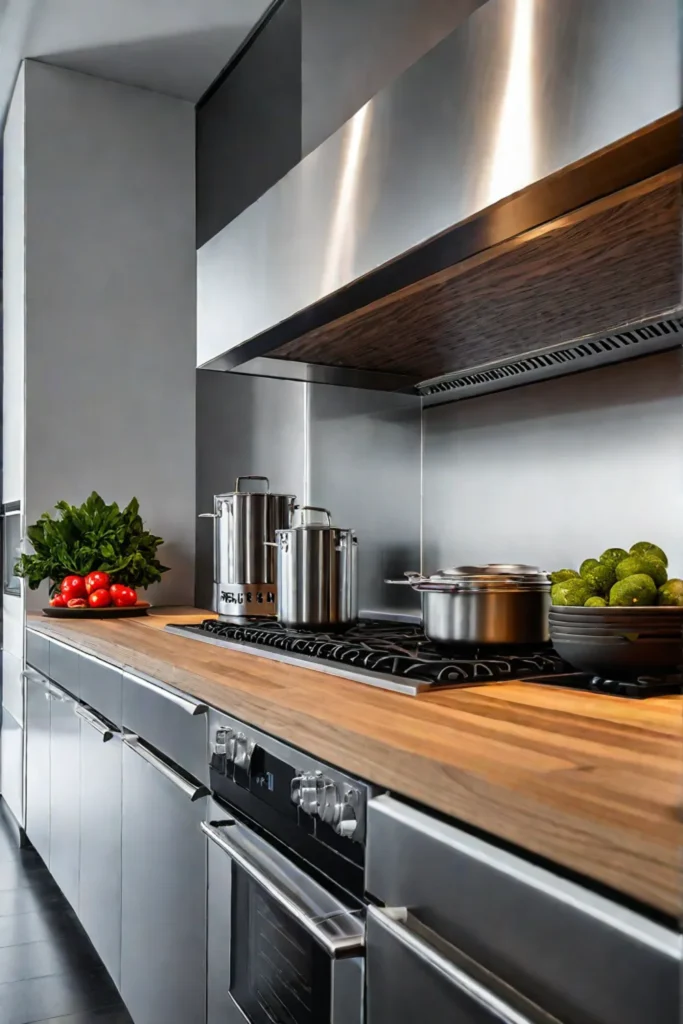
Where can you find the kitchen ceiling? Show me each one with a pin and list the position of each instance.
(171, 46)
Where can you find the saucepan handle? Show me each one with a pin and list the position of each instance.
(313, 508)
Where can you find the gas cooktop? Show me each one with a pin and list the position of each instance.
(393, 655)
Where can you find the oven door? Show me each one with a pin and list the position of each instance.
(282, 949)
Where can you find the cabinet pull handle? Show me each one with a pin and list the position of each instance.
(194, 792)
(391, 920)
(192, 707)
(335, 944)
(96, 723)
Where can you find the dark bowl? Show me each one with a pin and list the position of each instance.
(621, 658)
(625, 629)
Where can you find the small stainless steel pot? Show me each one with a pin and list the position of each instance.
(244, 565)
(317, 570)
(484, 604)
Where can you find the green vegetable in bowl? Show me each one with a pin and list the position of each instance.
(88, 537)
(638, 589)
(671, 593)
(562, 575)
(612, 556)
(588, 563)
(600, 577)
(596, 602)
(573, 592)
(644, 547)
(647, 564)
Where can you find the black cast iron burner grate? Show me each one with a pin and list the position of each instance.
(392, 648)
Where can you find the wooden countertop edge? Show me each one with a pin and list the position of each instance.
(551, 813)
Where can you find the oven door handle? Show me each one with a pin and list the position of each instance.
(392, 919)
(335, 945)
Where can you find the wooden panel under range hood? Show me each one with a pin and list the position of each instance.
(615, 261)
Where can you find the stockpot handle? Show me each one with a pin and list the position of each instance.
(237, 482)
(313, 508)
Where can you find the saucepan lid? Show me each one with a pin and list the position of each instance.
(242, 490)
(495, 576)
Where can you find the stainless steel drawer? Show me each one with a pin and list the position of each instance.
(38, 651)
(174, 724)
(64, 667)
(101, 687)
(576, 954)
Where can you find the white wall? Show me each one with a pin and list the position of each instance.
(556, 472)
(110, 305)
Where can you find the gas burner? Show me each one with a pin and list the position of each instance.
(394, 655)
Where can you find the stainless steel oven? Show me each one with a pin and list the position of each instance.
(286, 919)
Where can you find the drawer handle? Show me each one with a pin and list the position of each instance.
(334, 945)
(391, 920)
(95, 722)
(192, 707)
(194, 792)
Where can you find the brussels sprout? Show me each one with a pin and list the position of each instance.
(596, 602)
(572, 592)
(647, 564)
(600, 577)
(613, 556)
(589, 563)
(643, 547)
(637, 589)
(671, 593)
(562, 575)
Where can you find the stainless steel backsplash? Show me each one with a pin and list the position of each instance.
(555, 472)
(354, 452)
(549, 474)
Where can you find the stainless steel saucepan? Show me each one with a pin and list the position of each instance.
(317, 571)
(484, 604)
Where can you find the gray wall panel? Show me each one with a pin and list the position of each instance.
(364, 465)
(245, 425)
(110, 305)
(556, 472)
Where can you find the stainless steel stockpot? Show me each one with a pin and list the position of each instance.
(484, 604)
(245, 566)
(317, 569)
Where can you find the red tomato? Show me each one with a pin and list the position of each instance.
(77, 602)
(99, 599)
(116, 589)
(58, 601)
(125, 597)
(73, 586)
(97, 581)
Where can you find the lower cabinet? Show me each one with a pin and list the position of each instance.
(12, 745)
(38, 762)
(163, 940)
(64, 793)
(99, 893)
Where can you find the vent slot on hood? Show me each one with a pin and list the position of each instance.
(636, 340)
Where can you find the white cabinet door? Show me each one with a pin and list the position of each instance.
(38, 706)
(99, 900)
(163, 941)
(64, 794)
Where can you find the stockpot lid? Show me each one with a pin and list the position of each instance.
(303, 524)
(242, 491)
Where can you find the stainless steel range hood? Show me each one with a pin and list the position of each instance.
(437, 167)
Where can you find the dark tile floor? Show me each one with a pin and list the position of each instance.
(49, 971)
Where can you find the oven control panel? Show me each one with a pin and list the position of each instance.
(294, 785)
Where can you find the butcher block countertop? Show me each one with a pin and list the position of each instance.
(592, 783)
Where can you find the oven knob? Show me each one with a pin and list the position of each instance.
(338, 808)
(304, 791)
(219, 753)
(243, 750)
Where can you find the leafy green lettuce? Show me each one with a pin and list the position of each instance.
(92, 536)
